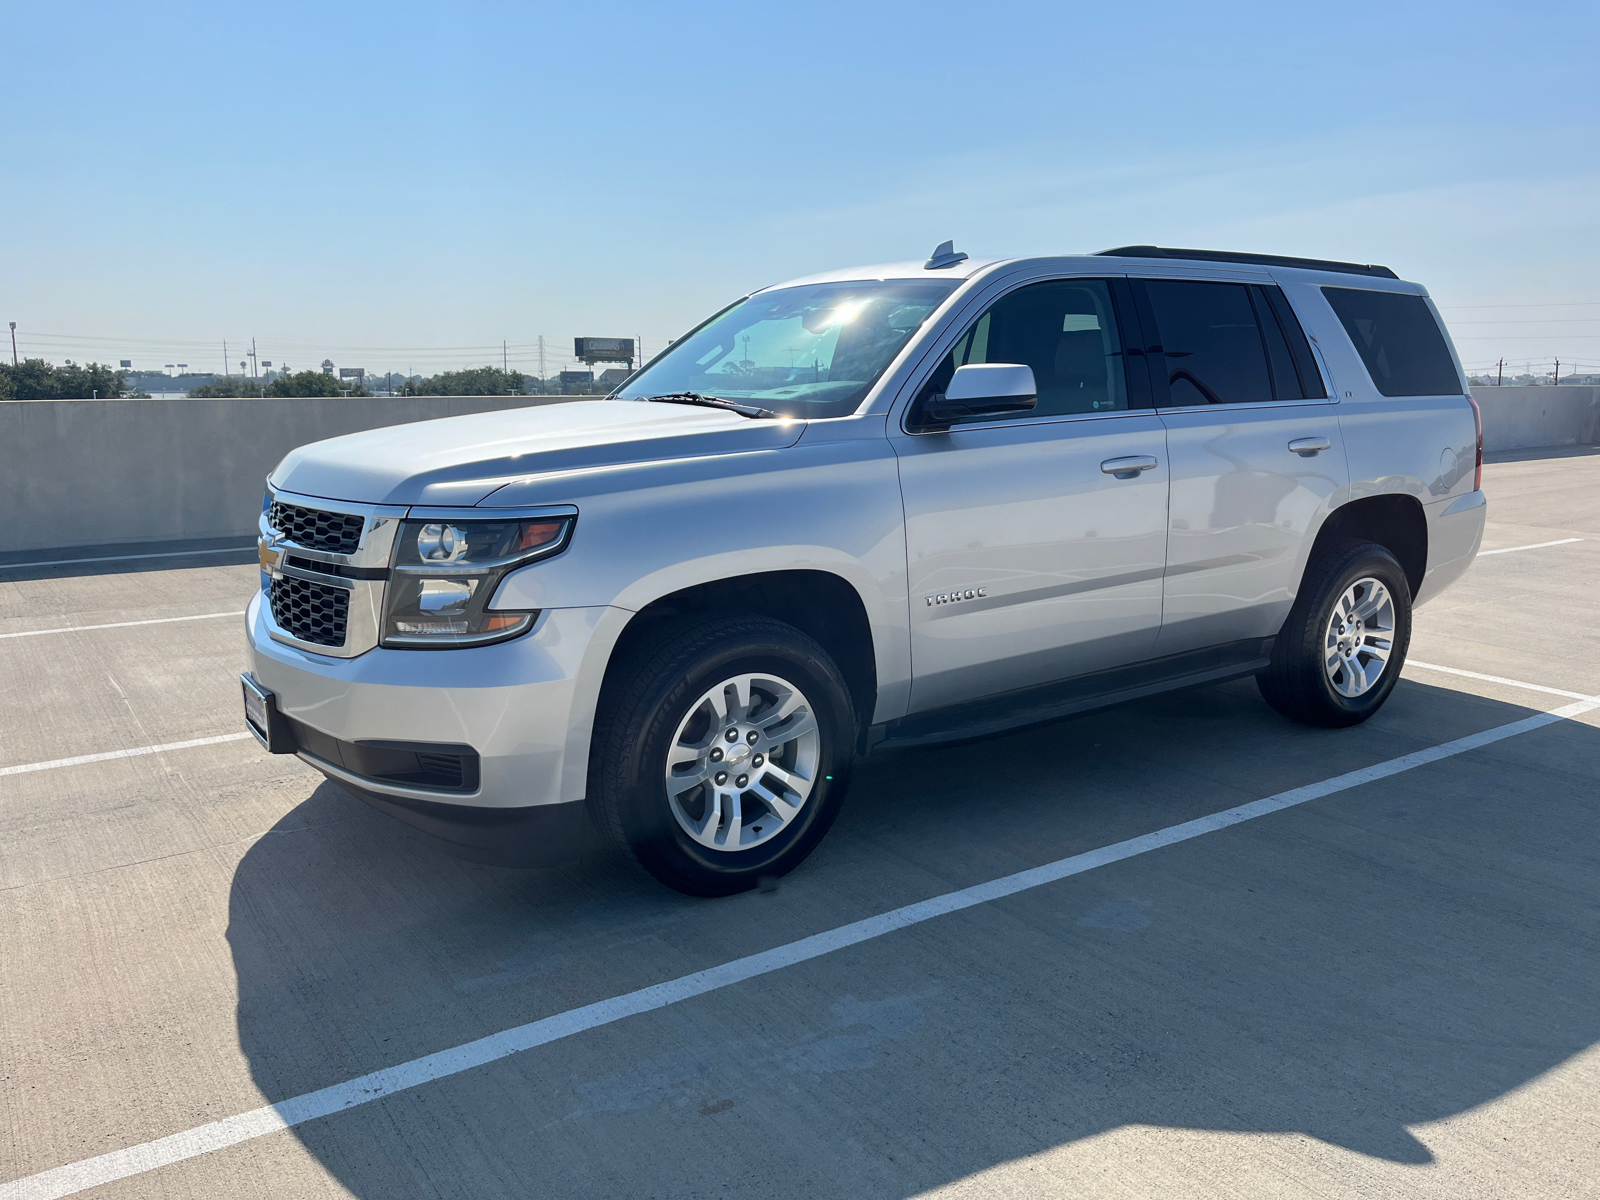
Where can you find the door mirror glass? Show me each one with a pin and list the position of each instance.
(981, 390)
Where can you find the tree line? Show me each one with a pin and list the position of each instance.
(36, 379)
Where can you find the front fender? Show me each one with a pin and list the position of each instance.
(830, 504)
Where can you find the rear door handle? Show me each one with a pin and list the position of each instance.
(1130, 467)
(1309, 447)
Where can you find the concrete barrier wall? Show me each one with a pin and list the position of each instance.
(98, 472)
(1525, 418)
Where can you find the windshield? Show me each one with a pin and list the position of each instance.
(810, 351)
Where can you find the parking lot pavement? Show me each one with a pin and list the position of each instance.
(1385, 991)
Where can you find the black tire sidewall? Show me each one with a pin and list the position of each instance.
(1359, 562)
(648, 826)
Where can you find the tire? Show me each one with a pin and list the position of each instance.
(669, 786)
(1326, 670)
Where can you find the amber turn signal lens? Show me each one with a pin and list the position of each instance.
(539, 533)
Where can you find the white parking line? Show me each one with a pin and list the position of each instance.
(191, 1143)
(109, 755)
(1535, 546)
(1517, 683)
(68, 562)
(121, 624)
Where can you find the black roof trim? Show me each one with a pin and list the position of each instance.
(1262, 260)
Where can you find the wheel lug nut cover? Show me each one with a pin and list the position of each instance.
(741, 781)
(722, 777)
(757, 761)
(751, 737)
(716, 754)
(733, 735)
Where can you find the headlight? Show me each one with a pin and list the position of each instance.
(445, 573)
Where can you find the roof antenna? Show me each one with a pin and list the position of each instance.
(946, 255)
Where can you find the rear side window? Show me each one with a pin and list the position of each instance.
(1398, 340)
(1212, 344)
(1301, 379)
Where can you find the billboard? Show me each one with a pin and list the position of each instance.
(350, 372)
(598, 349)
(127, 362)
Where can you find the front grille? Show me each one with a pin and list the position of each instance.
(339, 533)
(311, 612)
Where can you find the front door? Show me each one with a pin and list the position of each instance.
(1255, 451)
(1030, 557)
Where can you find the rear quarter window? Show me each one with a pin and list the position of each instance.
(1398, 340)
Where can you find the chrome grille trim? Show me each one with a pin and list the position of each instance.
(375, 534)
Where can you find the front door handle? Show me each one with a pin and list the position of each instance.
(1309, 447)
(1130, 467)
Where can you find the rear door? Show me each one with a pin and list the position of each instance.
(1030, 557)
(1255, 453)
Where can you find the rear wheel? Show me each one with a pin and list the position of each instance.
(722, 752)
(1340, 651)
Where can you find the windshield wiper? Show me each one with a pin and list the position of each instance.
(746, 410)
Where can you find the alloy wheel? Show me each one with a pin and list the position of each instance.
(1360, 637)
(743, 762)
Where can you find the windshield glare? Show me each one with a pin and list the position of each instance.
(810, 351)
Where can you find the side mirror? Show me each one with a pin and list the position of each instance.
(980, 390)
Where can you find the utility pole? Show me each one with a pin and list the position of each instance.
(14, 343)
(1556, 378)
(253, 371)
(505, 363)
(541, 353)
(1500, 374)
(225, 371)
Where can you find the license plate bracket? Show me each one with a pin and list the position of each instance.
(262, 718)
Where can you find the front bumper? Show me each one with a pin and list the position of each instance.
(512, 704)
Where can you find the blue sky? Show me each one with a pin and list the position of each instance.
(337, 178)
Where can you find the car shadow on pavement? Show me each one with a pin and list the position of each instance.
(1383, 958)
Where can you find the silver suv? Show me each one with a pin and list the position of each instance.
(888, 506)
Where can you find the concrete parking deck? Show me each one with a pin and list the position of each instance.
(1388, 989)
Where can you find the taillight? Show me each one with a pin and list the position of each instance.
(1477, 420)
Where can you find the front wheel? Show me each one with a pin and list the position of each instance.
(1340, 651)
(722, 752)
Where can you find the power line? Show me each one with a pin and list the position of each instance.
(1551, 304)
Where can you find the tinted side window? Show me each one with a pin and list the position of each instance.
(1066, 330)
(1285, 379)
(1398, 340)
(1213, 346)
(1311, 386)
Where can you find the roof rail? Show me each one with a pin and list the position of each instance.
(1264, 260)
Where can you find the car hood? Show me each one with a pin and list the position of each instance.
(462, 460)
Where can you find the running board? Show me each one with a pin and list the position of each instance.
(995, 715)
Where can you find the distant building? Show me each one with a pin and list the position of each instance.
(613, 376)
(327, 366)
(576, 381)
